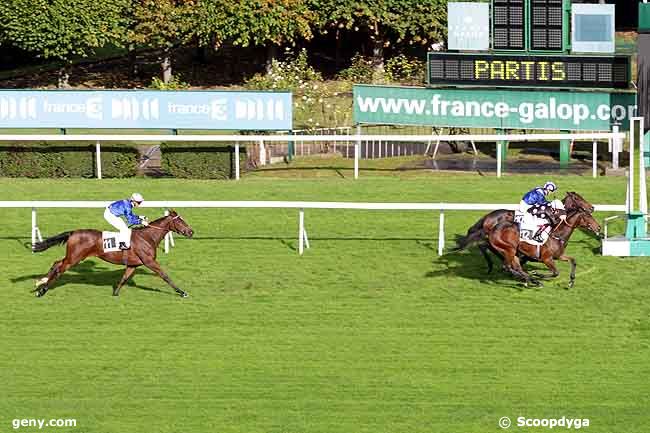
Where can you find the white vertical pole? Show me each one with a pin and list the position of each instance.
(98, 159)
(616, 146)
(643, 198)
(441, 232)
(237, 161)
(167, 237)
(498, 159)
(594, 159)
(357, 149)
(262, 152)
(630, 180)
(33, 226)
(301, 229)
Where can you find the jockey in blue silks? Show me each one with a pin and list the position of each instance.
(537, 196)
(124, 209)
(536, 199)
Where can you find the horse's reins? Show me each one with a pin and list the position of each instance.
(557, 238)
(160, 228)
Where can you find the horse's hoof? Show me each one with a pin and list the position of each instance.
(183, 294)
(40, 293)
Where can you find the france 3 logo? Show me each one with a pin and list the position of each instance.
(135, 109)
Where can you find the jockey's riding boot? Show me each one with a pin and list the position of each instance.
(123, 246)
(538, 236)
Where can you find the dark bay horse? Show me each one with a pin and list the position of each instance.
(480, 230)
(85, 243)
(504, 238)
(478, 233)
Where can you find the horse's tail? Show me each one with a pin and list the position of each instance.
(474, 234)
(50, 242)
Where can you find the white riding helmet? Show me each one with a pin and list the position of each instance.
(550, 187)
(137, 197)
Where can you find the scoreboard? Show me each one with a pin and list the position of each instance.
(546, 23)
(524, 70)
(544, 32)
(508, 24)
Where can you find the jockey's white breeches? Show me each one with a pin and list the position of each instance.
(120, 225)
(523, 206)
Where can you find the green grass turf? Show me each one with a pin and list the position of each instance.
(369, 331)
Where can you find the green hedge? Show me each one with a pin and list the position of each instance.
(66, 161)
(196, 161)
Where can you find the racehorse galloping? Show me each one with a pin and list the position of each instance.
(85, 243)
(482, 228)
(479, 232)
(504, 238)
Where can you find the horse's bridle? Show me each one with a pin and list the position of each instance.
(160, 228)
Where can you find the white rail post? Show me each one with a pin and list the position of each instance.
(167, 237)
(237, 161)
(616, 147)
(357, 149)
(98, 159)
(301, 230)
(262, 152)
(498, 159)
(441, 233)
(33, 226)
(594, 159)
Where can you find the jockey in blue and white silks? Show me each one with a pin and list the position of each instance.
(124, 209)
(534, 203)
(537, 196)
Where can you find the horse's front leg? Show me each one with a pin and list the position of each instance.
(572, 275)
(154, 266)
(550, 264)
(127, 274)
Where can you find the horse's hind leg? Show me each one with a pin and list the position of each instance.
(484, 250)
(58, 268)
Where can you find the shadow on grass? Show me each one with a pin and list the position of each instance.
(470, 265)
(89, 273)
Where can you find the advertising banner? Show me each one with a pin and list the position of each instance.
(493, 108)
(143, 109)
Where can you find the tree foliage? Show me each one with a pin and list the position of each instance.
(259, 22)
(385, 21)
(63, 29)
(162, 23)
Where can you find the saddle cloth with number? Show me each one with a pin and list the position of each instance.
(110, 241)
(529, 225)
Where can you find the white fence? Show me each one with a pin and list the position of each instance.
(303, 240)
(357, 139)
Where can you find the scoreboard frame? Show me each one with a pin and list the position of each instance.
(521, 70)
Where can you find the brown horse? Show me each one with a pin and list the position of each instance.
(479, 232)
(504, 239)
(85, 243)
